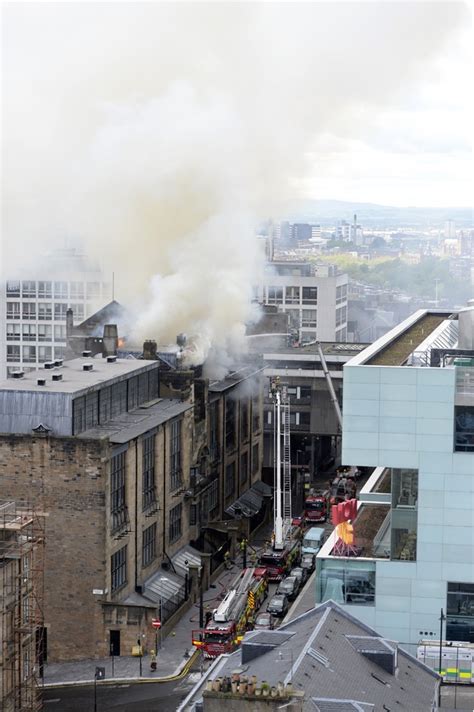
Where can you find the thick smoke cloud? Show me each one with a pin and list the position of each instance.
(160, 133)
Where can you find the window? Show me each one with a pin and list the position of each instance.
(14, 332)
(29, 354)
(304, 419)
(13, 353)
(29, 332)
(213, 432)
(59, 332)
(93, 290)
(45, 290)
(213, 496)
(256, 414)
(175, 523)
(229, 423)
(464, 428)
(244, 467)
(45, 353)
(341, 294)
(193, 511)
(460, 612)
(45, 311)
(244, 420)
(45, 332)
(28, 289)
(60, 290)
(175, 455)
(29, 310)
(230, 479)
(118, 569)
(308, 317)
(78, 312)
(275, 295)
(149, 545)
(148, 449)
(292, 295)
(13, 310)
(77, 290)
(341, 316)
(59, 352)
(305, 392)
(13, 289)
(255, 459)
(119, 399)
(403, 525)
(347, 583)
(132, 395)
(117, 491)
(310, 295)
(60, 309)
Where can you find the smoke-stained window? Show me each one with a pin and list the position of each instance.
(230, 479)
(213, 497)
(255, 459)
(244, 420)
(213, 432)
(149, 491)
(175, 525)
(149, 545)
(230, 408)
(118, 569)
(256, 413)
(176, 477)
(244, 467)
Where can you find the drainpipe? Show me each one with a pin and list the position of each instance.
(164, 491)
(136, 514)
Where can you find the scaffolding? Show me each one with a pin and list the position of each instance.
(21, 607)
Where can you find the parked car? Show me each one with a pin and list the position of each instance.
(308, 562)
(289, 587)
(278, 605)
(264, 621)
(301, 574)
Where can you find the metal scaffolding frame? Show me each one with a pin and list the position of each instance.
(21, 607)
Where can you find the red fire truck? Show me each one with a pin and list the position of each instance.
(316, 507)
(279, 562)
(235, 614)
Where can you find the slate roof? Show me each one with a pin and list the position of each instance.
(320, 659)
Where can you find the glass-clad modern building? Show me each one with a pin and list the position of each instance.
(408, 412)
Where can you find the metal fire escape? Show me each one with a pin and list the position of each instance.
(282, 463)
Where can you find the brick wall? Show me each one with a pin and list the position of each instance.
(64, 477)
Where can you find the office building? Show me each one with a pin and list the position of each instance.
(408, 412)
(314, 297)
(33, 311)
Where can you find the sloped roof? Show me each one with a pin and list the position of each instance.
(320, 659)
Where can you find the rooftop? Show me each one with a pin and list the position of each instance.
(334, 658)
(404, 340)
(74, 378)
(134, 423)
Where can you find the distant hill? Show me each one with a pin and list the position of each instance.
(327, 212)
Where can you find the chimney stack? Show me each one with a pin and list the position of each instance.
(110, 340)
(149, 350)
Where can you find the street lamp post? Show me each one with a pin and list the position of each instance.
(442, 618)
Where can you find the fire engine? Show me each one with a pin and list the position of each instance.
(234, 615)
(316, 506)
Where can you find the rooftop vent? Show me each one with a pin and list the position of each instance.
(49, 364)
(18, 374)
(87, 366)
(111, 359)
(58, 363)
(41, 381)
(87, 354)
(57, 377)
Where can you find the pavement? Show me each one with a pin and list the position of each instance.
(174, 658)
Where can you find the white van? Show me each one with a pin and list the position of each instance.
(313, 540)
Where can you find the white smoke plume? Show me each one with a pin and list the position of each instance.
(161, 132)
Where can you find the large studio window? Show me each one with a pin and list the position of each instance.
(460, 612)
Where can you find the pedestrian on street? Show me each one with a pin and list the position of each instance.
(153, 660)
(227, 563)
